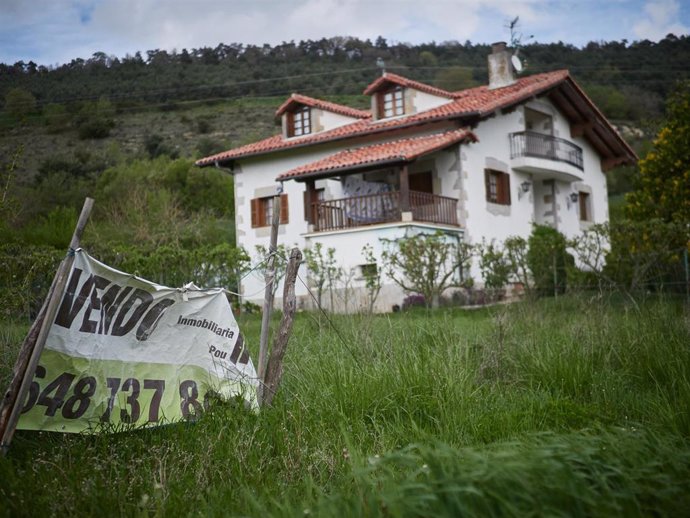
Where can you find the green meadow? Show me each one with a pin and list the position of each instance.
(574, 406)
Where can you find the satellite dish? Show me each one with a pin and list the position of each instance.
(517, 64)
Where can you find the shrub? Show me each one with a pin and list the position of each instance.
(548, 259)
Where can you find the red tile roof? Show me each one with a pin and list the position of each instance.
(387, 77)
(397, 151)
(474, 102)
(323, 105)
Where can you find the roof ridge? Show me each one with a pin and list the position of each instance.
(323, 104)
(404, 81)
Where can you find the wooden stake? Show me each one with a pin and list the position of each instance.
(269, 278)
(32, 347)
(274, 372)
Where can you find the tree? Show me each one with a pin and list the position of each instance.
(371, 272)
(455, 78)
(322, 268)
(548, 259)
(19, 103)
(663, 186)
(516, 254)
(423, 263)
(279, 265)
(631, 255)
(495, 267)
(96, 119)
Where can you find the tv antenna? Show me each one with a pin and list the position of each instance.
(516, 43)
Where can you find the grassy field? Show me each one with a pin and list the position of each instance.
(570, 407)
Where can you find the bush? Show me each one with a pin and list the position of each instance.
(414, 301)
(155, 146)
(26, 274)
(548, 260)
(95, 119)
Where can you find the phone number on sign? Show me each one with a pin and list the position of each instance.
(73, 399)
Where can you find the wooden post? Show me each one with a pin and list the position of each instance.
(269, 278)
(32, 347)
(404, 189)
(311, 187)
(274, 372)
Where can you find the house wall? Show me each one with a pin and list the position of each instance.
(325, 120)
(547, 201)
(422, 101)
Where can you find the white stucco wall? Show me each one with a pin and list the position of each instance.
(489, 221)
(324, 120)
(422, 101)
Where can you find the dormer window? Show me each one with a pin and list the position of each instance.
(391, 102)
(299, 122)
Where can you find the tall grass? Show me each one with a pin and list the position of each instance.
(562, 407)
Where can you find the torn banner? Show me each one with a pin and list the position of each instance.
(123, 352)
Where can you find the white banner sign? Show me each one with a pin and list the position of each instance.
(123, 352)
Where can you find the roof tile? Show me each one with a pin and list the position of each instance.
(387, 77)
(402, 150)
(323, 105)
(478, 101)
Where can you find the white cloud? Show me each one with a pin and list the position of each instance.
(662, 19)
(59, 30)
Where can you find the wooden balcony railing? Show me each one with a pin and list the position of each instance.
(383, 207)
(529, 143)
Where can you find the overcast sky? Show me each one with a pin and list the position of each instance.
(56, 31)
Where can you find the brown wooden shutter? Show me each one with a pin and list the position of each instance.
(306, 205)
(505, 181)
(290, 123)
(284, 209)
(584, 215)
(487, 184)
(255, 204)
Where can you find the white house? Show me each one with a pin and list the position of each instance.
(482, 163)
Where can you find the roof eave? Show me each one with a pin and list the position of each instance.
(327, 173)
(376, 131)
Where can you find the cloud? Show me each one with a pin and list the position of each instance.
(662, 20)
(49, 31)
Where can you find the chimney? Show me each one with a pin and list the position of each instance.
(500, 68)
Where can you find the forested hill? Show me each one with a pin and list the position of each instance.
(629, 81)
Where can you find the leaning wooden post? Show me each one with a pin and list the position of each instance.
(269, 279)
(274, 372)
(32, 347)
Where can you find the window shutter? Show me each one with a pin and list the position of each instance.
(306, 205)
(506, 188)
(284, 209)
(290, 123)
(487, 185)
(255, 212)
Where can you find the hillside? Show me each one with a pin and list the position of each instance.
(89, 114)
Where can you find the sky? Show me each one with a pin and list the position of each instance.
(51, 32)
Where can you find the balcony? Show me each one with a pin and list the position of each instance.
(373, 209)
(546, 156)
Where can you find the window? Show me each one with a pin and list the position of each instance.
(497, 187)
(299, 122)
(583, 198)
(368, 271)
(391, 102)
(262, 211)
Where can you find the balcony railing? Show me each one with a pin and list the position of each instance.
(538, 145)
(373, 209)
